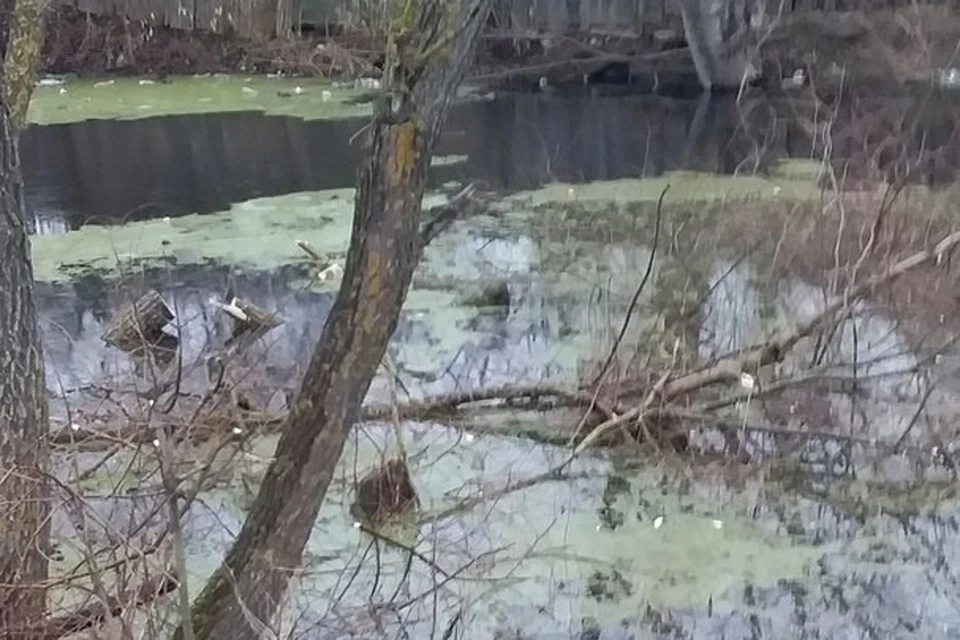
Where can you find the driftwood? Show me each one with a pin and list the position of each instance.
(250, 322)
(141, 326)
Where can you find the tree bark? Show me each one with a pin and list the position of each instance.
(430, 47)
(24, 50)
(720, 36)
(24, 504)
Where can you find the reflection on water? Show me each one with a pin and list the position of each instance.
(111, 171)
(811, 556)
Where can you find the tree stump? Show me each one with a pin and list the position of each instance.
(385, 492)
(141, 327)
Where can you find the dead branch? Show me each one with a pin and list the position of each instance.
(729, 369)
(92, 615)
(138, 432)
(443, 216)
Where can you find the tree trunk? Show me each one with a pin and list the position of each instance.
(22, 58)
(720, 36)
(24, 428)
(429, 50)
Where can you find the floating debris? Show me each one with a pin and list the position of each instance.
(386, 491)
(333, 272)
(142, 325)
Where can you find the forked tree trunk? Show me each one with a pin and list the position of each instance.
(24, 503)
(430, 49)
(720, 34)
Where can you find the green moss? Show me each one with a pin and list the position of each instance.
(128, 98)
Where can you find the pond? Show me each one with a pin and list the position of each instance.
(829, 540)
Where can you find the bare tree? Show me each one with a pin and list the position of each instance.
(722, 39)
(24, 457)
(430, 43)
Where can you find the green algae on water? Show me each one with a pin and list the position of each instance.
(787, 179)
(133, 98)
(261, 233)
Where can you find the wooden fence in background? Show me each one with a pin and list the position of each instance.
(267, 17)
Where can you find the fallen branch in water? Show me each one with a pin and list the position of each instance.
(441, 217)
(136, 433)
(731, 368)
(658, 401)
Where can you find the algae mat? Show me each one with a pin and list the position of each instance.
(133, 98)
(262, 233)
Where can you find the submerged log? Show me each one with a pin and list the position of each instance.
(141, 326)
(385, 492)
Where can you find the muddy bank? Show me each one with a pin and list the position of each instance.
(875, 52)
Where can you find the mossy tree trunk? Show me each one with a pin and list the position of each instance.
(430, 47)
(24, 457)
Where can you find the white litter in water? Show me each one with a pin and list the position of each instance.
(326, 96)
(748, 382)
(332, 272)
(718, 524)
(658, 522)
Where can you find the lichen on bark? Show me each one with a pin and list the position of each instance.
(24, 49)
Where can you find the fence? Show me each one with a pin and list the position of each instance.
(266, 17)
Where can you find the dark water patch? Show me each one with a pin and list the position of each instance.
(106, 171)
(113, 171)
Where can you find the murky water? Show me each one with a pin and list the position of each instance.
(833, 543)
(112, 171)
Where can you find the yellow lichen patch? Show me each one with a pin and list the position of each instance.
(23, 56)
(373, 288)
(404, 153)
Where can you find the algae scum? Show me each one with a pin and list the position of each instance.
(520, 294)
